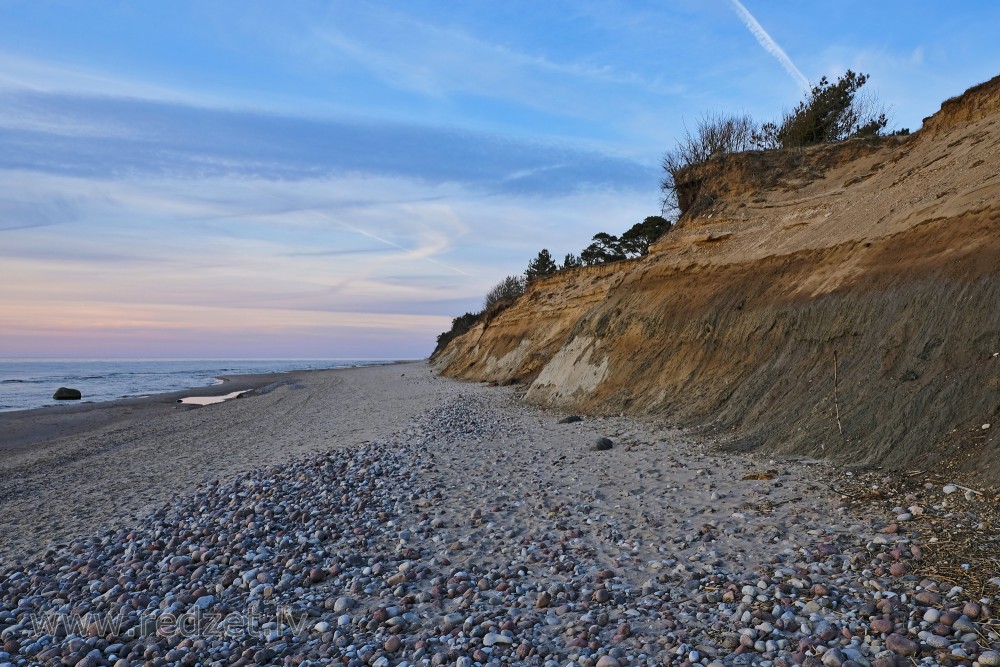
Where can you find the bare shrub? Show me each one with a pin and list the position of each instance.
(716, 134)
(504, 292)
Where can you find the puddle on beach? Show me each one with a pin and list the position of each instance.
(209, 400)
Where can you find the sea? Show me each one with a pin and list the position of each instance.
(30, 383)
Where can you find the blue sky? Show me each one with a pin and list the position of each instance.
(341, 178)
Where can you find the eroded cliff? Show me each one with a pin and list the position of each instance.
(872, 263)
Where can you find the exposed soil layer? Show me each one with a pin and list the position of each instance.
(845, 304)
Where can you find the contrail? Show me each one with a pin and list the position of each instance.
(362, 232)
(358, 230)
(771, 46)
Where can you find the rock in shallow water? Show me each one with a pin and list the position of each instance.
(67, 394)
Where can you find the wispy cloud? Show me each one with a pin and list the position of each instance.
(20, 212)
(19, 73)
(436, 60)
(168, 139)
(771, 46)
(231, 242)
(423, 253)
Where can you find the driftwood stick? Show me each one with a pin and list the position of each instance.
(836, 394)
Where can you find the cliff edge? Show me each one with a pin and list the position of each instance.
(840, 301)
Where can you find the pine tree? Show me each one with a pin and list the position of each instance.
(571, 261)
(541, 266)
(636, 241)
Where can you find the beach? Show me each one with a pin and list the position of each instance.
(98, 464)
(385, 516)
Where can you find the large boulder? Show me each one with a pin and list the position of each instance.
(603, 444)
(67, 394)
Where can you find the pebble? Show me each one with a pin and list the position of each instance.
(965, 625)
(205, 601)
(834, 657)
(602, 595)
(989, 659)
(900, 644)
(882, 625)
(493, 638)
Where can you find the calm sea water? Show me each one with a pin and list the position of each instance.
(30, 383)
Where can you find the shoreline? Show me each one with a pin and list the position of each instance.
(24, 428)
(169, 376)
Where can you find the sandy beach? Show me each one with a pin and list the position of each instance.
(96, 465)
(405, 518)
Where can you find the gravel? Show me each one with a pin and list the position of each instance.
(467, 539)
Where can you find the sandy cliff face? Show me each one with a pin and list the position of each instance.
(873, 261)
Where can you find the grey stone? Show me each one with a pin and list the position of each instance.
(67, 394)
(603, 444)
(989, 659)
(834, 658)
(205, 601)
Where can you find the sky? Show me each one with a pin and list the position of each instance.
(339, 179)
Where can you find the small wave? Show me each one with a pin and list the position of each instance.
(14, 381)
